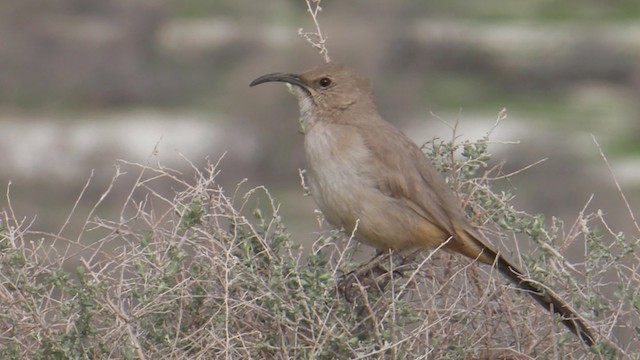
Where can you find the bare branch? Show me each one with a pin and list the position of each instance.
(317, 39)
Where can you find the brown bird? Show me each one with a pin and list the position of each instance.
(363, 170)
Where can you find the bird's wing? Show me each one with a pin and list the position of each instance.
(409, 176)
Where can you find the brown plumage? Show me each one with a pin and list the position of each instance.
(362, 169)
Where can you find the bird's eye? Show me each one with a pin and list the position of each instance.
(324, 82)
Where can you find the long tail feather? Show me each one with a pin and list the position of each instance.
(473, 246)
(549, 300)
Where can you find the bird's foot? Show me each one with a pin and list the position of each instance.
(371, 275)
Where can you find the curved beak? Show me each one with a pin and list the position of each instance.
(292, 79)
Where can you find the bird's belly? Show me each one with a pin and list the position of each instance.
(338, 190)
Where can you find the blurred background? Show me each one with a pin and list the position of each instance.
(84, 83)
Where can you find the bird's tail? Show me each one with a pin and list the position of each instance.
(475, 247)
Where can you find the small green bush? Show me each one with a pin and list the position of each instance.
(201, 274)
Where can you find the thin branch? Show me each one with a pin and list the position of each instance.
(317, 39)
(615, 181)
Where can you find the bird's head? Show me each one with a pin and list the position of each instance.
(326, 91)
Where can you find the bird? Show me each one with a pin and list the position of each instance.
(368, 178)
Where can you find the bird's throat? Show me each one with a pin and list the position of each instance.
(305, 103)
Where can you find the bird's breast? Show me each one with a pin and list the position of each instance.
(337, 160)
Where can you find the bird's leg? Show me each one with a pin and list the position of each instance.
(370, 275)
(407, 259)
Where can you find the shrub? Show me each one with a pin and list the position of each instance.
(199, 273)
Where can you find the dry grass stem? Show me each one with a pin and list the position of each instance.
(317, 39)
